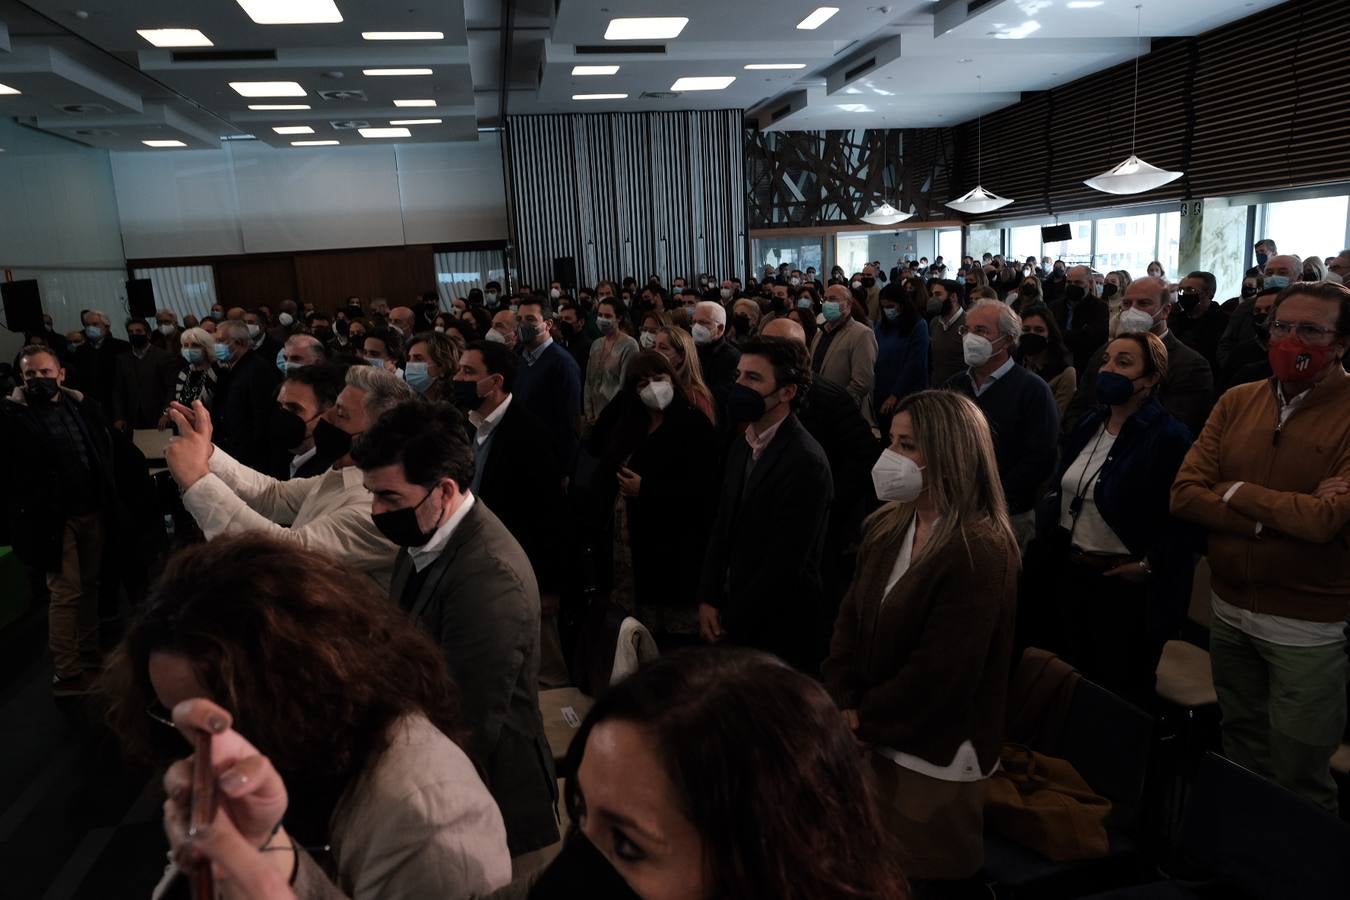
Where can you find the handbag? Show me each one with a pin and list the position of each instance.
(1042, 803)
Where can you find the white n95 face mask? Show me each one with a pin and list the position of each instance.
(1135, 321)
(897, 477)
(701, 334)
(976, 350)
(657, 395)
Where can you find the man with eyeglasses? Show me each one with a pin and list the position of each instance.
(1269, 477)
(1198, 321)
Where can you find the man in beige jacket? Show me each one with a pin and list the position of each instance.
(845, 350)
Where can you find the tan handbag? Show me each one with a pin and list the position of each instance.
(1043, 804)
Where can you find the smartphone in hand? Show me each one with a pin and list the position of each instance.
(203, 810)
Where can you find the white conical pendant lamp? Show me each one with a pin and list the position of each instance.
(885, 214)
(1133, 176)
(978, 200)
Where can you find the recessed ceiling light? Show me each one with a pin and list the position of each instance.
(1083, 4)
(766, 67)
(403, 35)
(313, 143)
(395, 71)
(291, 12)
(164, 143)
(594, 70)
(277, 106)
(645, 29)
(817, 18)
(268, 88)
(414, 103)
(175, 37)
(599, 96)
(293, 129)
(6, 89)
(702, 82)
(414, 121)
(384, 132)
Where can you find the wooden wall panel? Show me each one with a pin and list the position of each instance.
(398, 274)
(248, 281)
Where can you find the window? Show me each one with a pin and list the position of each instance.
(851, 252)
(1314, 227)
(798, 252)
(1076, 251)
(1128, 243)
(1169, 244)
(984, 239)
(1024, 241)
(949, 248)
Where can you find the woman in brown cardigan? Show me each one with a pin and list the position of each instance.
(922, 646)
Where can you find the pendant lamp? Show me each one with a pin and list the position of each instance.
(1133, 176)
(885, 214)
(978, 200)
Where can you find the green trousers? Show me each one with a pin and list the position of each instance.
(1283, 708)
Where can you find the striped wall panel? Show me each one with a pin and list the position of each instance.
(628, 194)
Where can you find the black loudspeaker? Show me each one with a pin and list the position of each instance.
(23, 305)
(565, 271)
(1053, 234)
(141, 298)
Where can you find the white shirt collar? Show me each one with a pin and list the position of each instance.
(487, 424)
(1001, 370)
(947, 323)
(424, 555)
(302, 458)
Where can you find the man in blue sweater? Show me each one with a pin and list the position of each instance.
(548, 382)
(1018, 404)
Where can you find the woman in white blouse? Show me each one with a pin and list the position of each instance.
(609, 358)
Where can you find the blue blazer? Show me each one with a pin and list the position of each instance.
(902, 362)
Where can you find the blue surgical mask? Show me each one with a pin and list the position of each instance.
(803, 302)
(377, 363)
(193, 355)
(1277, 281)
(891, 312)
(223, 353)
(830, 309)
(417, 376)
(93, 332)
(281, 362)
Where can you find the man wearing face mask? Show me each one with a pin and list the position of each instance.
(845, 350)
(306, 394)
(241, 409)
(505, 329)
(145, 380)
(717, 356)
(466, 581)
(1279, 272)
(95, 360)
(1018, 404)
(1186, 390)
(329, 513)
(1252, 363)
(1269, 478)
(1082, 315)
(1198, 321)
(1263, 250)
(776, 482)
(549, 382)
(166, 333)
(63, 508)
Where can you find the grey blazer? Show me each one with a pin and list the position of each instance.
(480, 602)
(851, 362)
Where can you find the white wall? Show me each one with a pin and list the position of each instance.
(248, 197)
(59, 224)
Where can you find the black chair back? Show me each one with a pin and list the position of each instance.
(1107, 740)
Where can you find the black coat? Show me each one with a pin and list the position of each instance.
(95, 371)
(719, 360)
(834, 420)
(1091, 322)
(242, 408)
(144, 386)
(522, 484)
(762, 566)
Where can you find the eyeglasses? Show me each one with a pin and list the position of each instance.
(158, 712)
(977, 330)
(1306, 331)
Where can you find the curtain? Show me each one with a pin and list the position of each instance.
(458, 272)
(183, 289)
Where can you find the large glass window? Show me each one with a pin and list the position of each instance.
(984, 239)
(851, 252)
(949, 248)
(799, 252)
(1314, 227)
(1075, 251)
(1024, 241)
(1169, 244)
(1128, 243)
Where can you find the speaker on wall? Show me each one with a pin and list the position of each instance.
(141, 298)
(565, 271)
(1053, 234)
(23, 305)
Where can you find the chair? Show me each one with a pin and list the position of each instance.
(1107, 740)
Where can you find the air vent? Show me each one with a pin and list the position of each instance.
(190, 56)
(349, 124)
(860, 68)
(94, 132)
(611, 49)
(237, 137)
(82, 109)
(780, 112)
(344, 96)
(659, 95)
(975, 6)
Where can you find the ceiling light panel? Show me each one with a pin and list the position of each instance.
(291, 12)
(293, 129)
(703, 83)
(265, 107)
(414, 121)
(594, 70)
(313, 143)
(175, 37)
(599, 96)
(414, 103)
(655, 29)
(770, 67)
(268, 88)
(164, 144)
(384, 132)
(395, 71)
(403, 35)
(818, 18)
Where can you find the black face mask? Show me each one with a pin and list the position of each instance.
(331, 441)
(1262, 328)
(324, 334)
(868, 282)
(466, 395)
(40, 390)
(353, 312)
(580, 870)
(740, 323)
(341, 326)
(1188, 300)
(1108, 291)
(1074, 293)
(934, 306)
(400, 525)
(1034, 344)
(779, 306)
(138, 339)
(286, 430)
(745, 404)
(1249, 292)
(566, 331)
(1028, 291)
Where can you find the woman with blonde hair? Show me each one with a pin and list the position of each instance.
(679, 349)
(745, 315)
(932, 603)
(1113, 292)
(198, 380)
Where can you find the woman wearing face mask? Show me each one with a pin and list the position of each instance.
(647, 491)
(807, 319)
(931, 603)
(198, 380)
(679, 349)
(1314, 269)
(1155, 270)
(1042, 351)
(609, 356)
(1117, 566)
(1028, 293)
(744, 323)
(1113, 291)
(902, 347)
(433, 360)
(652, 322)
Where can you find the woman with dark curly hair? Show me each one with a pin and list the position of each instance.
(351, 703)
(714, 773)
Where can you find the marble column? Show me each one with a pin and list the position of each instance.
(1214, 239)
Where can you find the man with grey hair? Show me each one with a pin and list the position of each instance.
(1082, 314)
(1186, 391)
(717, 356)
(301, 350)
(329, 513)
(95, 363)
(1276, 272)
(245, 396)
(1018, 404)
(1340, 265)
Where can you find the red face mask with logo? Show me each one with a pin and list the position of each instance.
(1294, 362)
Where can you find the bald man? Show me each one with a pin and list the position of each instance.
(404, 319)
(1082, 315)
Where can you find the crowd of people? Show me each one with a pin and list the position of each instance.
(870, 491)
